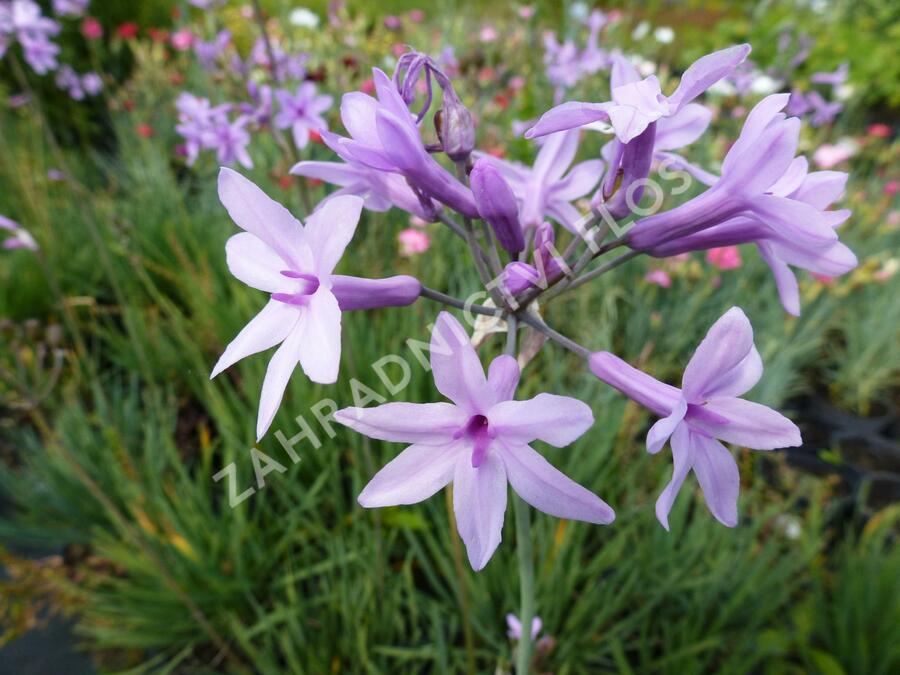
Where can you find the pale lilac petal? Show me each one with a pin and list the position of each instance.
(557, 420)
(623, 72)
(457, 372)
(320, 327)
(251, 260)
(422, 423)
(629, 122)
(555, 156)
(503, 376)
(330, 228)
(657, 396)
(754, 169)
(682, 128)
(564, 213)
(785, 281)
(254, 211)
(281, 367)
(568, 116)
(479, 504)
(336, 173)
(822, 188)
(358, 115)
(794, 220)
(792, 179)
(751, 425)
(706, 71)
(682, 459)
(265, 330)
(717, 473)
(725, 346)
(549, 490)
(580, 180)
(659, 433)
(412, 476)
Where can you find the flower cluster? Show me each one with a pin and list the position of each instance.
(566, 65)
(22, 21)
(480, 439)
(78, 86)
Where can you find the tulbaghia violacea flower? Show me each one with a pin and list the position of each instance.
(479, 442)
(705, 411)
(519, 275)
(20, 238)
(636, 105)
(70, 8)
(277, 254)
(208, 53)
(384, 136)
(497, 205)
(514, 627)
(549, 187)
(759, 163)
(302, 112)
(380, 189)
(778, 248)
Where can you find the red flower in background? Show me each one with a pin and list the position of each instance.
(91, 28)
(127, 30)
(145, 130)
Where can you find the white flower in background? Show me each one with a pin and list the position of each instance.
(645, 67)
(843, 92)
(303, 18)
(640, 31)
(722, 88)
(579, 11)
(763, 85)
(664, 35)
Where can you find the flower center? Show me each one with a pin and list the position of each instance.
(307, 284)
(478, 431)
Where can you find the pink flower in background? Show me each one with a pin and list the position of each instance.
(823, 279)
(659, 277)
(891, 188)
(413, 241)
(488, 34)
(480, 442)
(416, 15)
(828, 155)
(526, 12)
(91, 28)
(393, 22)
(879, 130)
(182, 40)
(724, 257)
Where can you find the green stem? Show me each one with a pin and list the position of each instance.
(526, 584)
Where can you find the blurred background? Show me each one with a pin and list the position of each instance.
(120, 551)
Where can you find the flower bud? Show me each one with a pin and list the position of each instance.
(497, 205)
(357, 293)
(455, 127)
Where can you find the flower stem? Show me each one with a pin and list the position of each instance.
(554, 335)
(526, 584)
(437, 296)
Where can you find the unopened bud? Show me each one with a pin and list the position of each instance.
(497, 205)
(455, 127)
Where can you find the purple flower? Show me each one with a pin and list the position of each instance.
(40, 53)
(549, 187)
(70, 8)
(20, 238)
(824, 112)
(68, 80)
(637, 105)
(206, 4)
(385, 137)
(780, 249)
(92, 84)
(294, 263)
(835, 78)
(208, 53)
(380, 190)
(230, 141)
(756, 168)
(302, 112)
(479, 442)
(497, 205)
(515, 627)
(259, 110)
(22, 20)
(706, 408)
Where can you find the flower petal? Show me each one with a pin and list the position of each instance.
(706, 71)
(330, 228)
(681, 458)
(725, 346)
(254, 211)
(281, 367)
(580, 180)
(503, 377)
(549, 490)
(682, 128)
(265, 330)
(717, 473)
(251, 260)
(422, 423)
(568, 116)
(659, 433)
(457, 372)
(320, 325)
(479, 504)
(785, 281)
(751, 425)
(557, 420)
(412, 476)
